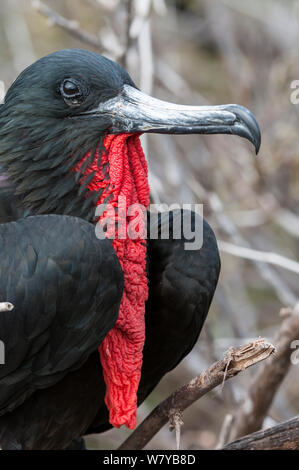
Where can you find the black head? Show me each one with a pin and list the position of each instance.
(64, 104)
(65, 83)
(40, 137)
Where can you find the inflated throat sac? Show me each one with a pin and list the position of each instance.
(122, 177)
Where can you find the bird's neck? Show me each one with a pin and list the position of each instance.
(39, 160)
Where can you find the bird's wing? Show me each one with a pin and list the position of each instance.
(66, 287)
(182, 286)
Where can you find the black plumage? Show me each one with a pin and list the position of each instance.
(65, 284)
(181, 290)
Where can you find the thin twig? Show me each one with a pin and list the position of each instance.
(234, 361)
(175, 423)
(71, 26)
(257, 255)
(225, 431)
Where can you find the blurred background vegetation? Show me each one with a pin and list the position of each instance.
(197, 52)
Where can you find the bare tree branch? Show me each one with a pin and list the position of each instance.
(234, 361)
(284, 436)
(265, 384)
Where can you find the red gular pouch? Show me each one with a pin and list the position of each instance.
(123, 177)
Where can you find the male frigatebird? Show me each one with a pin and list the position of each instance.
(97, 321)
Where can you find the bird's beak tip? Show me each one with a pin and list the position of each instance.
(249, 127)
(257, 148)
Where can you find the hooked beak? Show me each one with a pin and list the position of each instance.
(134, 111)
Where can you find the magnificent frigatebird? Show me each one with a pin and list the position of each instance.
(85, 306)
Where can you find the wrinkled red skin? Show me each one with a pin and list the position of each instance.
(123, 172)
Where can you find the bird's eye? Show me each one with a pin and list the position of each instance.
(70, 88)
(72, 92)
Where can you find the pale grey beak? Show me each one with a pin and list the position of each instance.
(134, 111)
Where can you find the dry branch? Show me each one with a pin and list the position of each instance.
(284, 436)
(234, 361)
(265, 384)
